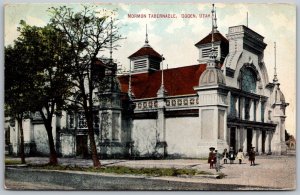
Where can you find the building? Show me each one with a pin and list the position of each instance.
(224, 100)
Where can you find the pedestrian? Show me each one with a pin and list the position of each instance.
(240, 156)
(225, 156)
(211, 157)
(218, 157)
(231, 154)
(252, 156)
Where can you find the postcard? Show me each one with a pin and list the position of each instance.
(144, 96)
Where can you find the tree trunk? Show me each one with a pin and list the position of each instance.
(95, 158)
(53, 156)
(22, 152)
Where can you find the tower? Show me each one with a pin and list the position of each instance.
(110, 110)
(279, 105)
(213, 104)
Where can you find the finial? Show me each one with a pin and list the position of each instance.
(111, 26)
(275, 80)
(146, 41)
(247, 20)
(162, 70)
(130, 93)
(215, 19)
(212, 54)
(162, 91)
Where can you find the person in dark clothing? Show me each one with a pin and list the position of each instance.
(225, 156)
(231, 154)
(252, 157)
(211, 157)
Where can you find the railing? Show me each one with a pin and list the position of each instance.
(170, 102)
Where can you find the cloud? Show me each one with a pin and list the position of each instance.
(175, 25)
(34, 21)
(279, 20)
(124, 7)
(10, 34)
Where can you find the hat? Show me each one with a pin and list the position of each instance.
(211, 148)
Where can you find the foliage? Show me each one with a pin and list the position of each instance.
(36, 75)
(88, 35)
(12, 162)
(127, 170)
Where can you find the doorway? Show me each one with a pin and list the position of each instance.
(81, 146)
(249, 139)
(232, 140)
(263, 142)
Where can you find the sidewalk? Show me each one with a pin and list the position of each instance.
(278, 172)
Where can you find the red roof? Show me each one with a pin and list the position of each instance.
(177, 81)
(146, 51)
(217, 37)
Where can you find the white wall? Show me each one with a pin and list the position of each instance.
(41, 139)
(183, 136)
(67, 145)
(144, 136)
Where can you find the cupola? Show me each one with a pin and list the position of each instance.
(145, 59)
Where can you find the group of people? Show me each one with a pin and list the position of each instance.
(214, 157)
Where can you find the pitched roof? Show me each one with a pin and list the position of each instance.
(146, 51)
(217, 37)
(177, 81)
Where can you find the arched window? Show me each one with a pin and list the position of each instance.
(248, 81)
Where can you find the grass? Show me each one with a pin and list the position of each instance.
(12, 162)
(126, 170)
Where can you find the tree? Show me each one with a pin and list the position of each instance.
(87, 35)
(17, 100)
(44, 59)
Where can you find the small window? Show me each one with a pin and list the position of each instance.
(71, 120)
(82, 123)
(206, 52)
(96, 120)
(140, 64)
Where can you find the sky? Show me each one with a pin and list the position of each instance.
(175, 38)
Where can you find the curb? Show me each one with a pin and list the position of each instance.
(18, 165)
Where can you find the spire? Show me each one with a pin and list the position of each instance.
(247, 20)
(146, 40)
(111, 26)
(213, 26)
(162, 91)
(215, 22)
(130, 93)
(275, 79)
(162, 71)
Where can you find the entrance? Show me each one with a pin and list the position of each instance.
(81, 146)
(232, 140)
(249, 139)
(263, 142)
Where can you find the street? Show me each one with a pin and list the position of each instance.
(270, 172)
(24, 178)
